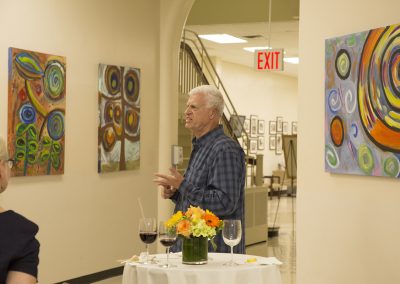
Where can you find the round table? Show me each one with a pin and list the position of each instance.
(214, 271)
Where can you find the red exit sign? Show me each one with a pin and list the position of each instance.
(269, 59)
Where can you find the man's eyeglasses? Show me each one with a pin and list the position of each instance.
(10, 163)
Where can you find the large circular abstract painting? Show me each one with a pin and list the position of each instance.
(362, 103)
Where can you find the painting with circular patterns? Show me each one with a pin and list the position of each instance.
(36, 112)
(362, 103)
(119, 121)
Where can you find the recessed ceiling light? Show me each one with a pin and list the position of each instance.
(292, 60)
(254, 48)
(223, 38)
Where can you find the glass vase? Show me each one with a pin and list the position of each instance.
(195, 250)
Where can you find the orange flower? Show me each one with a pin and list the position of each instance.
(211, 220)
(183, 228)
(194, 213)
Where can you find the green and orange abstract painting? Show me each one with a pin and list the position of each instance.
(119, 121)
(362, 103)
(36, 112)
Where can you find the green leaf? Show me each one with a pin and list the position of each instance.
(44, 156)
(33, 146)
(21, 127)
(20, 155)
(55, 161)
(20, 142)
(56, 147)
(46, 142)
(31, 158)
(32, 132)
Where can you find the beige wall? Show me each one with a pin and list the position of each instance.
(347, 226)
(265, 94)
(173, 15)
(87, 221)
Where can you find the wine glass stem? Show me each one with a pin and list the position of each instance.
(167, 257)
(147, 253)
(231, 254)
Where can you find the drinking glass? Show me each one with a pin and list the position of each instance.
(147, 233)
(232, 234)
(167, 237)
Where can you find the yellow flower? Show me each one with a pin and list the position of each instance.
(194, 213)
(174, 219)
(209, 212)
(195, 222)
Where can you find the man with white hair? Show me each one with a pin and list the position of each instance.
(215, 176)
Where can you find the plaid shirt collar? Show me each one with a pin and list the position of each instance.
(206, 138)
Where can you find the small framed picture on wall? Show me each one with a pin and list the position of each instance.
(261, 127)
(272, 127)
(279, 122)
(261, 143)
(294, 128)
(246, 125)
(272, 142)
(278, 149)
(285, 127)
(253, 125)
(253, 146)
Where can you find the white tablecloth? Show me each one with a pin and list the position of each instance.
(211, 273)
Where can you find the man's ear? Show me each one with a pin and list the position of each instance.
(213, 113)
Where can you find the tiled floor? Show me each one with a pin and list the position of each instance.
(282, 247)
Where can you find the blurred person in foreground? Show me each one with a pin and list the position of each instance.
(19, 249)
(215, 176)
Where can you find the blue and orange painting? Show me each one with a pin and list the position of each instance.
(362, 103)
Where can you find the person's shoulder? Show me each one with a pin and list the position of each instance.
(17, 222)
(226, 143)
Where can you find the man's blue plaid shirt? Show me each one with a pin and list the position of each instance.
(214, 180)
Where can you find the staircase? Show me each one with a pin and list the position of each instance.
(196, 68)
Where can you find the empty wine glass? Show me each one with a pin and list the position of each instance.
(232, 234)
(167, 237)
(147, 233)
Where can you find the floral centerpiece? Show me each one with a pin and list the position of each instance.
(196, 226)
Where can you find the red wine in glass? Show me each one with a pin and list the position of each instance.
(147, 233)
(148, 238)
(168, 242)
(167, 237)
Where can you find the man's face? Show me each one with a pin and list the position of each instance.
(198, 117)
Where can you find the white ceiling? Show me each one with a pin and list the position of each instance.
(283, 35)
(248, 18)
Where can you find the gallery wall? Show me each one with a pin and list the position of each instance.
(264, 94)
(347, 225)
(87, 220)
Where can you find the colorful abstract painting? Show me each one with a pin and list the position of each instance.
(36, 112)
(119, 109)
(362, 103)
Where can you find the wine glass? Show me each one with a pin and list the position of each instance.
(147, 233)
(167, 237)
(232, 234)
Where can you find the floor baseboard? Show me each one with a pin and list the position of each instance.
(95, 277)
